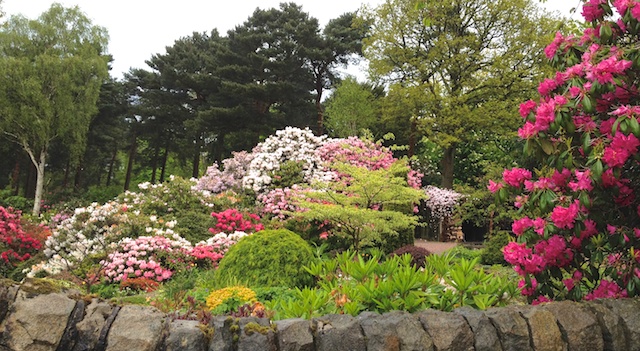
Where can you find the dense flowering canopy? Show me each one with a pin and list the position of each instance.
(578, 235)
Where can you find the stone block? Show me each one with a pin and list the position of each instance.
(294, 335)
(449, 331)
(139, 328)
(512, 328)
(394, 331)
(579, 326)
(485, 334)
(338, 332)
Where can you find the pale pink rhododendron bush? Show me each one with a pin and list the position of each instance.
(578, 231)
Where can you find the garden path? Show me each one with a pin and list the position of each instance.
(435, 246)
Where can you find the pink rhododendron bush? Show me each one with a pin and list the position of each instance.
(578, 232)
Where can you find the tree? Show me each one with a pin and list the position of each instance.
(339, 44)
(351, 108)
(464, 60)
(367, 206)
(51, 70)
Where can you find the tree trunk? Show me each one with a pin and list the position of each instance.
(112, 165)
(164, 162)
(132, 155)
(78, 176)
(320, 121)
(39, 164)
(154, 162)
(65, 180)
(196, 158)
(447, 164)
(412, 137)
(15, 177)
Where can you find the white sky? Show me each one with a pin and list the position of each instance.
(140, 28)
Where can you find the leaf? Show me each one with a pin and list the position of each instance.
(547, 146)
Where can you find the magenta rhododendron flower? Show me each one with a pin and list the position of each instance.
(565, 217)
(592, 10)
(526, 108)
(516, 176)
(520, 225)
(493, 186)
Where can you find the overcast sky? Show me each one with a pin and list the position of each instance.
(140, 28)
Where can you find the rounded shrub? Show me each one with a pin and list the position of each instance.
(492, 253)
(268, 258)
(417, 253)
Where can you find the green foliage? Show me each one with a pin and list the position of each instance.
(49, 84)
(289, 173)
(492, 253)
(194, 225)
(351, 283)
(350, 109)
(7, 199)
(268, 258)
(369, 209)
(461, 252)
(418, 254)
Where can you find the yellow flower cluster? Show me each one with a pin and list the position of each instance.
(217, 297)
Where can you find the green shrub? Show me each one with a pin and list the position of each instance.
(194, 225)
(268, 258)
(492, 253)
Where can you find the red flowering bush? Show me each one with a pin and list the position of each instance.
(16, 245)
(578, 236)
(232, 220)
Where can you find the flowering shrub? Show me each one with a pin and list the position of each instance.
(289, 144)
(577, 236)
(96, 228)
(278, 202)
(216, 181)
(16, 245)
(139, 284)
(141, 257)
(240, 293)
(233, 220)
(441, 202)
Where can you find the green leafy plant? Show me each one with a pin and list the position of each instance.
(268, 258)
(492, 253)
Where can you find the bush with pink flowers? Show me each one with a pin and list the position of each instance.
(231, 220)
(578, 231)
(16, 245)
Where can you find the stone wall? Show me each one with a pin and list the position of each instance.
(62, 321)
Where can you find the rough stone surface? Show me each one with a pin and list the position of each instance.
(139, 328)
(578, 325)
(90, 326)
(485, 334)
(612, 325)
(294, 335)
(338, 332)
(394, 331)
(37, 324)
(512, 328)
(543, 329)
(7, 296)
(185, 336)
(224, 329)
(70, 335)
(627, 309)
(257, 334)
(449, 331)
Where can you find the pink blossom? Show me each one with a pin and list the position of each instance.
(493, 186)
(547, 86)
(540, 299)
(526, 108)
(583, 181)
(592, 10)
(564, 217)
(516, 176)
(622, 5)
(519, 226)
(528, 131)
(635, 11)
